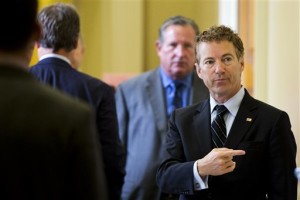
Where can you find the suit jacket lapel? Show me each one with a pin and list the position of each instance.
(243, 121)
(202, 127)
(156, 95)
(155, 92)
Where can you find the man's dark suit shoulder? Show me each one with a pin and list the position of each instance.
(41, 68)
(46, 132)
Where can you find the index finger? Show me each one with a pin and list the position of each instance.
(230, 152)
(238, 152)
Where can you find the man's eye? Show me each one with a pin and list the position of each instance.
(188, 46)
(208, 63)
(227, 60)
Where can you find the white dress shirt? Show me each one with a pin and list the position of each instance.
(232, 105)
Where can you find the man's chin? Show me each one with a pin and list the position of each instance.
(180, 74)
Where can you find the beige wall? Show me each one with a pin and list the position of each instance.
(120, 35)
(276, 66)
(112, 31)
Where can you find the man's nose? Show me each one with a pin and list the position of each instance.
(219, 66)
(179, 51)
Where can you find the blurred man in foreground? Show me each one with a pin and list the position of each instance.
(48, 147)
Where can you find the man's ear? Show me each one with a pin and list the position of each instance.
(158, 46)
(242, 63)
(198, 70)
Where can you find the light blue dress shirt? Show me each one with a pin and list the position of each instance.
(185, 92)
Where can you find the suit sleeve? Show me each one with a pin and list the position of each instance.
(282, 156)
(175, 174)
(113, 154)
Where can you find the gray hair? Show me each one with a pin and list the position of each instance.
(177, 20)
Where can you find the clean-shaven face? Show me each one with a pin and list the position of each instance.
(177, 50)
(220, 69)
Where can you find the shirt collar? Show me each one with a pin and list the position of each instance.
(232, 104)
(53, 55)
(166, 80)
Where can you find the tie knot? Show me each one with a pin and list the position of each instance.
(221, 109)
(176, 85)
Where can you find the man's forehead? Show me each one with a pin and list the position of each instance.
(215, 48)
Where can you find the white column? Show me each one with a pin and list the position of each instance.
(228, 13)
(276, 66)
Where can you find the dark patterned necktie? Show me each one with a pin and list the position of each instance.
(175, 96)
(218, 127)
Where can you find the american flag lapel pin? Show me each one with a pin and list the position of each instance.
(248, 119)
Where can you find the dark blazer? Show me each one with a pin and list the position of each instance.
(47, 143)
(143, 126)
(263, 131)
(60, 75)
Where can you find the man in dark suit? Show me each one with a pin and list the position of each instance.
(144, 104)
(258, 158)
(61, 32)
(47, 140)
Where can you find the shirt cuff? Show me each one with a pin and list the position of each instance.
(199, 183)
